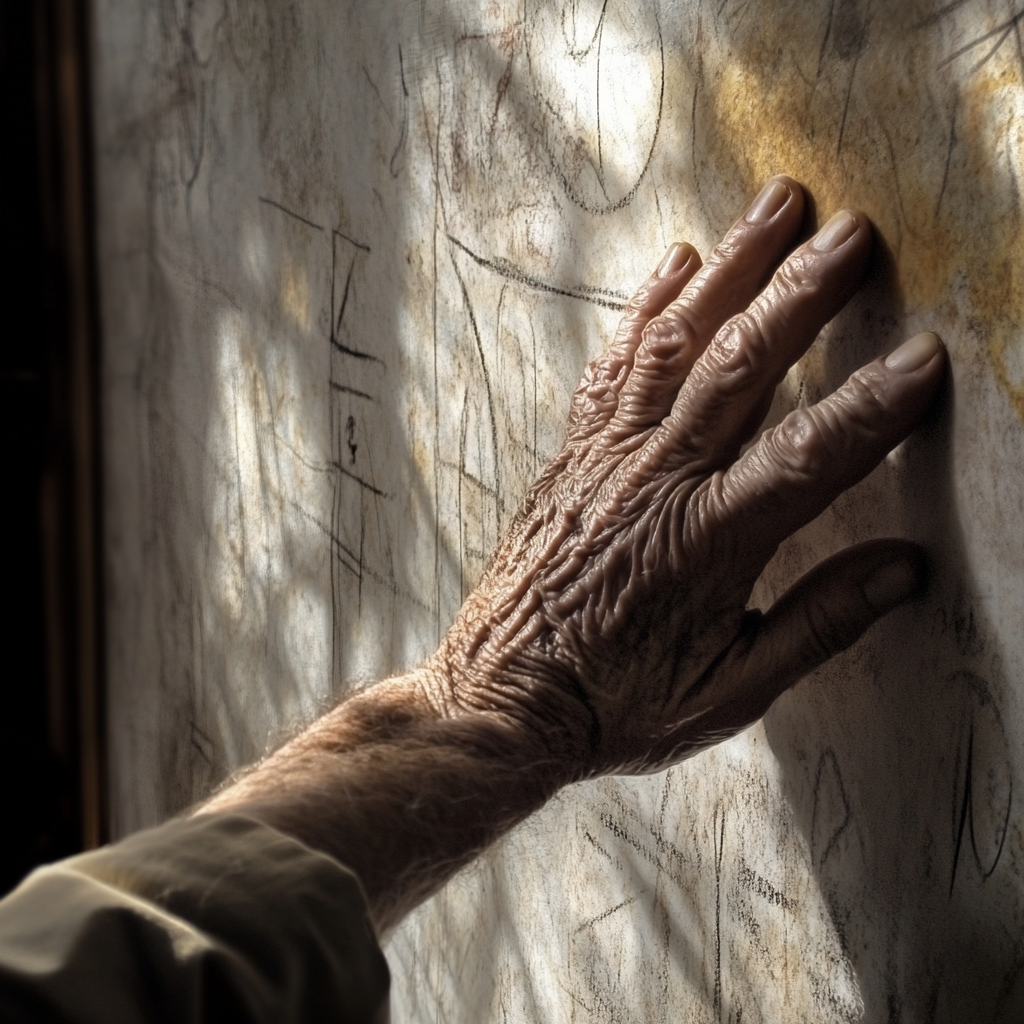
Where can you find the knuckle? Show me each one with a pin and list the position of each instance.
(606, 373)
(730, 247)
(709, 536)
(651, 297)
(605, 368)
(741, 348)
(797, 278)
(591, 372)
(644, 304)
(590, 410)
(666, 341)
(638, 305)
(594, 398)
(626, 338)
(792, 287)
(808, 442)
(863, 402)
(801, 446)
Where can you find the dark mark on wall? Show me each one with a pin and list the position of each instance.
(846, 108)
(336, 322)
(597, 98)
(345, 389)
(559, 171)
(829, 794)
(350, 428)
(513, 273)
(607, 913)
(1002, 31)
(718, 838)
(942, 13)
(359, 480)
(596, 845)
(376, 92)
(488, 391)
(986, 822)
(352, 241)
(965, 807)
(355, 353)
(201, 743)
(396, 163)
(291, 213)
(949, 157)
(332, 535)
(756, 883)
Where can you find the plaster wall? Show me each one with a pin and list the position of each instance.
(353, 259)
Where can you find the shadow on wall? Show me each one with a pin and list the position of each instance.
(898, 763)
(240, 410)
(325, 398)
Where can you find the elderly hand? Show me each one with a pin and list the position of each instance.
(611, 630)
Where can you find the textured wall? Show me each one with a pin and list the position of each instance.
(354, 256)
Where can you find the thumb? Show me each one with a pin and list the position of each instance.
(831, 607)
(819, 616)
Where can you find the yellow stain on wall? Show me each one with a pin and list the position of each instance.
(929, 145)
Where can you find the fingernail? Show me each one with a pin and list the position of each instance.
(891, 584)
(773, 197)
(914, 354)
(839, 229)
(675, 259)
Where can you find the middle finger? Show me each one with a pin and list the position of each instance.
(727, 394)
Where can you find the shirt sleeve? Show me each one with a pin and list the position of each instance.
(217, 917)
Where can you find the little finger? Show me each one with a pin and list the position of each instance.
(596, 398)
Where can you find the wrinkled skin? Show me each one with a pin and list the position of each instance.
(611, 627)
(611, 632)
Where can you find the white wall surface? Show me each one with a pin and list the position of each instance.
(354, 256)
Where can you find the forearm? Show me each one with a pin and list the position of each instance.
(398, 788)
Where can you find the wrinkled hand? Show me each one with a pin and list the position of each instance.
(610, 633)
(612, 625)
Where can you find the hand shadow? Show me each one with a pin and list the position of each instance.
(895, 756)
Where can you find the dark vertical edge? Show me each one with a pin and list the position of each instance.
(72, 514)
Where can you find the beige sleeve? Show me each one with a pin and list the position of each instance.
(213, 918)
